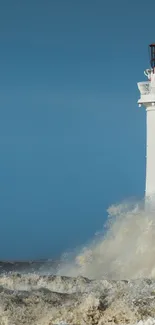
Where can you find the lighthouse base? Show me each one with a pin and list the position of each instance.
(150, 203)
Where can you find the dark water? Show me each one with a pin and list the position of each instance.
(39, 266)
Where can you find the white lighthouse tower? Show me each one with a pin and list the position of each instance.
(147, 99)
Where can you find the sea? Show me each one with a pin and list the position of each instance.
(108, 281)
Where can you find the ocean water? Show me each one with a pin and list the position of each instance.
(110, 280)
(125, 249)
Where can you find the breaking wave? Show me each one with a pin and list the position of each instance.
(125, 249)
(110, 280)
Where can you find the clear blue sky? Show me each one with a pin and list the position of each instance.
(72, 138)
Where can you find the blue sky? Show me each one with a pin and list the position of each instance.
(72, 138)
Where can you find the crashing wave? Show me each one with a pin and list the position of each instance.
(112, 280)
(49, 300)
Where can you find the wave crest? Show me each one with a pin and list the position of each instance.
(125, 250)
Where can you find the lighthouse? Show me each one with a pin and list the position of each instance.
(147, 99)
